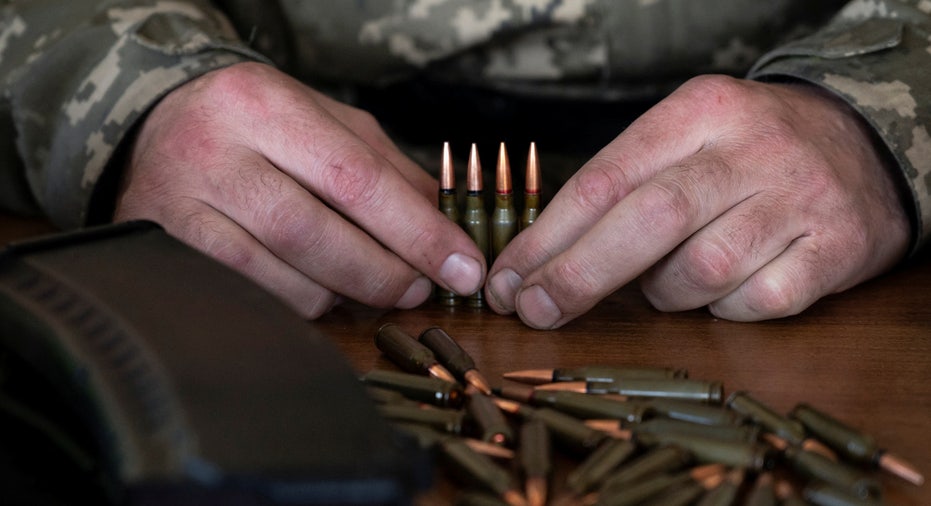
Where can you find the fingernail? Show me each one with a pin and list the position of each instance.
(537, 309)
(502, 287)
(461, 273)
(416, 294)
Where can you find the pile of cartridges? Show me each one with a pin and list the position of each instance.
(633, 435)
(490, 231)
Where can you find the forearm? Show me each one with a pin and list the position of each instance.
(874, 56)
(76, 78)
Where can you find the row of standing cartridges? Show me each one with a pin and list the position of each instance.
(635, 434)
(492, 231)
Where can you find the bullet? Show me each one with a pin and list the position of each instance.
(449, 206)
(809, 444)
(750, 455)
(816, 466)
(823, 494)
(609, 455)
(488, 419)
(592, 373)
(456, 360)
(763, 492)
(662, 426)
(480, 470)
(444, 420)
(637, 493)
(424, 389)
(408, 354)
(570, 431)
(535, 459)
(656, 460)
(694, 412)
(726, 492)
(532, 188)
(474, 218)
(503, 217)
(685, 389)
(428, 437)
(574, 403)
(790, 430)
(852, 444)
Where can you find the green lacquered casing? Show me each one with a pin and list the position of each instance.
(662, 426)
(588, 406)
(752, 456)
(660, 459)
(694, 412)
(447, 350)
(475, 468)
(596, 467)
(449, 206)
(535, 451)
(403, 350)
(475, 223)
(490, 422)
(446, 420)
(790, 430)
(842, 438)
(695, 390)
(503, 223)
(419, 388)
(816, 466)
(612, 373)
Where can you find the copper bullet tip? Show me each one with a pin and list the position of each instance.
(478, 381)
(567, 386)
(508, 406)
(503, 172)
(474, 171)
(438, 371)
(514, 498)
(532, 183)
(490, 449)
(900, 468)
(447, 173)
(531, 376)
(536, 488)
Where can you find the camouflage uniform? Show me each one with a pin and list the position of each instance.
(78, 75)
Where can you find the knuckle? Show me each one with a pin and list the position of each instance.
(709, 265)
(351, 179)
(668, 208)
(598, 186)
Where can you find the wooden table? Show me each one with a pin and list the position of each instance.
(863, 355)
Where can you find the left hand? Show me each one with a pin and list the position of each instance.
(753, 199)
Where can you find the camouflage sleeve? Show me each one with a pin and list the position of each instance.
(876, 54)
(76, 76)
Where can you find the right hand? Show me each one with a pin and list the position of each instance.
(305, 195)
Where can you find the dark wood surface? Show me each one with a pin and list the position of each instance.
(863, 355)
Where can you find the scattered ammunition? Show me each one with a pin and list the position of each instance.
(480, 470)
(574, 403)
(693, 412)
(636, 493)
(450, 354)
(475, 219)
(809, 444)
(660, 459)
(449, 206)
(593, 470)
(752, 456)
(726, 492)
(686, 389)
(408, 354)
(763, 492)
(661, 426)
(570, 431)
(823, 494)
(852, 444)
(503, 217)
(535, 460)
(593, 373)
(815, 466)
(613, 428)
(445, 420)
(428, 437)
(532, 188)
(490, 422)
(424, 389)
(790, 430)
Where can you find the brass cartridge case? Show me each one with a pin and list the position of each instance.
(407, 353)
(824, 494)
(790, 430)
(686, 389)
(610, 373)
(570, 431)
(424, 389)
(661, 459)
(752, 456)
(694, 412)
(599, 464)
(490, 422)
(840, 437)
(445, 420)
(844, 477)
(588, 406)
(662, 426)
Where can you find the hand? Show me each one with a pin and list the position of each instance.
(303, 194)
(753, 199)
